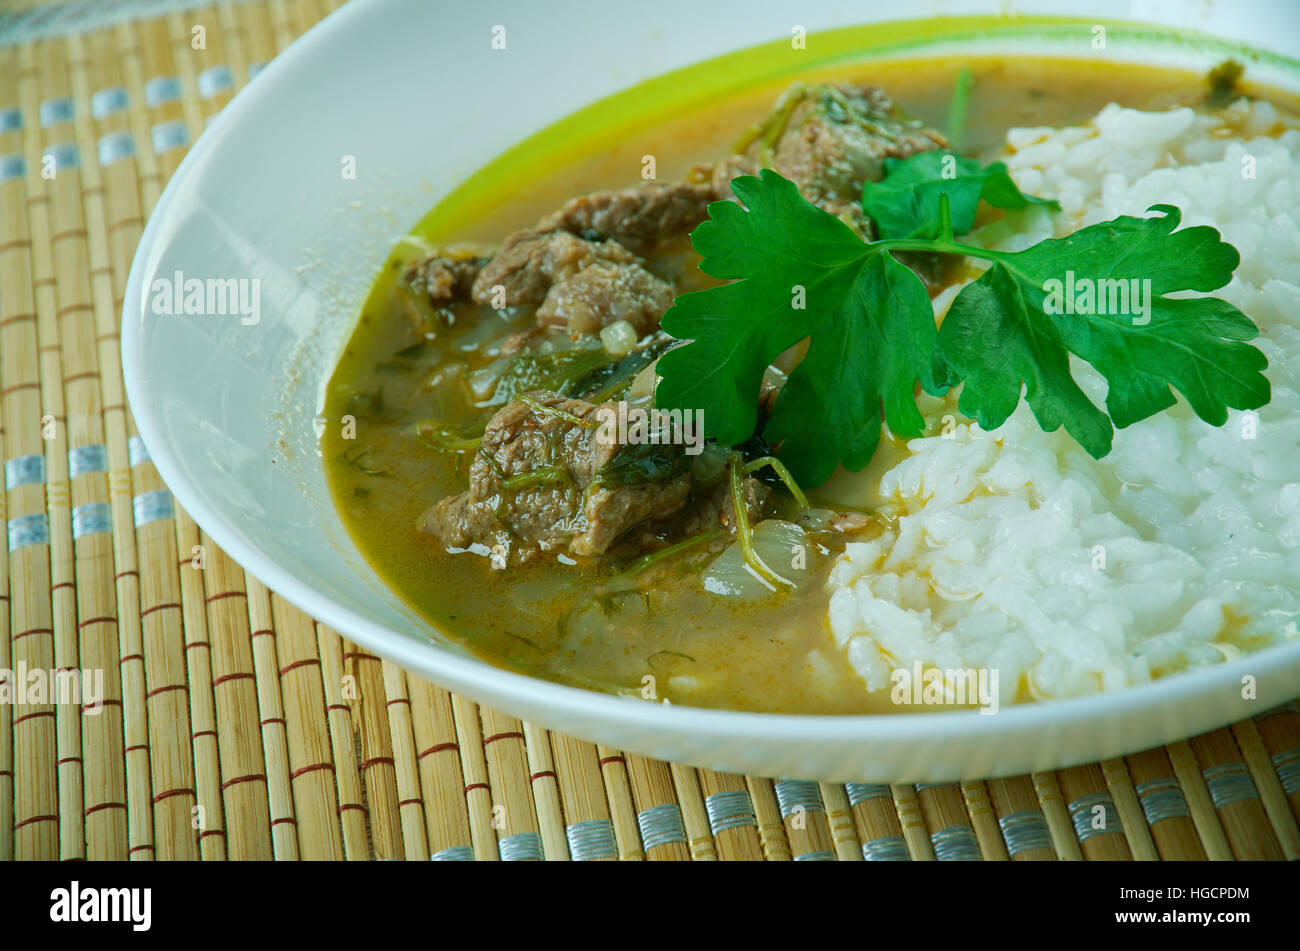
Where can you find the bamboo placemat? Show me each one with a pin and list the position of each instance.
(237, 727)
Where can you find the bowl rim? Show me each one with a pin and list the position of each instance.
(479, 678)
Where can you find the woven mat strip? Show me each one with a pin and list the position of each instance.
(235, 726)
(30, 20)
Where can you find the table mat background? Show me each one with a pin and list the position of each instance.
(237, 727)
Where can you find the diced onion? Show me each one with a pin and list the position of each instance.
(619, 338)
(643, 384)
(483, 381)
(708, 465)
(782, 546)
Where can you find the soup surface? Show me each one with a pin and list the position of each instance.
(596, 622)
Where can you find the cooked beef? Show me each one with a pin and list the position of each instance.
(531, 261)
(575, 283)
(605, 293)
(442, 277)
(579, 267)
(528, 481)
(637, 218)
(721, 173)
(533, 486)
(833, 140)
(709, 507)
(434, 283)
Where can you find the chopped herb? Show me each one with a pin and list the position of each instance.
(645, 561)
(404, 360)
(559, 371)
(768, 132)
(447, 438)
(667, 656)
(543, 409)
(519, 637)
(744, 533)
(613, 379)
(611, 602)
(541, 476)
(799, 273)
(777, 466)
(371, 404)
(650, 462)
(1222, 80)
(415, 350)
(491, 462)
(356, 459)
(958, 107)
(413, 292)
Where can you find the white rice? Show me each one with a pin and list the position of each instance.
(1015, 550)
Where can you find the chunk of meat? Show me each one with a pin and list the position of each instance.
(531, 262)
(637, 218)
(443, 277)
(531, 486)
(709, 507)
(830, 140)
(605, 293)
(534, 487)
(578, 267)
(714, 507)
(435, 282)
(573, 282)
(721, 173)
(838, 139)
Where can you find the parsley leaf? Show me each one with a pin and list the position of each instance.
(905, 204)
(799, 272)
(1002, 330)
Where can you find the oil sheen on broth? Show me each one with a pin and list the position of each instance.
(774, 654)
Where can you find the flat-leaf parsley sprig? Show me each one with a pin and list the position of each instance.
(796, 272)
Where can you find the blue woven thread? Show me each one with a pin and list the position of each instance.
(729, 810)
(661, 825)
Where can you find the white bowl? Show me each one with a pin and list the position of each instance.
(415, 93)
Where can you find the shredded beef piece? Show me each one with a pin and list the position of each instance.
(602, 294)
(442, 277)
(579, 267)
(575, 283)
(721, 173)
(547, 511)
(637, 218)
(709, 507)
(835, 139)
(438, 280)
(555, 506)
